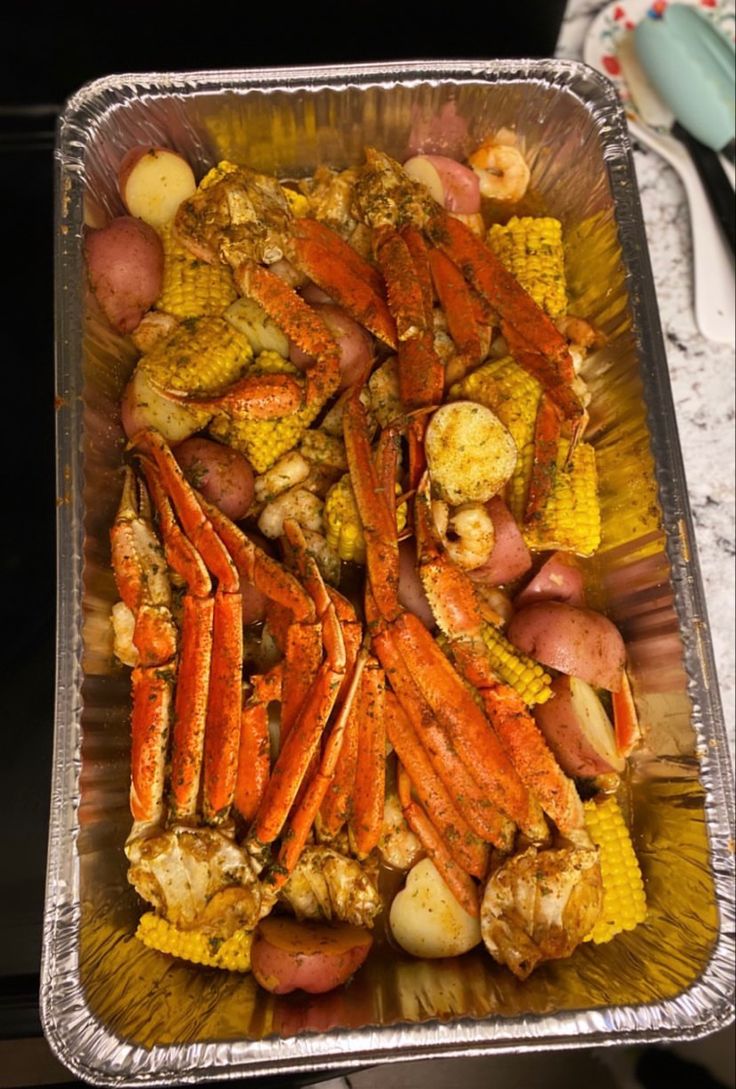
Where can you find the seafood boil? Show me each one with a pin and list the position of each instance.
(356, 496)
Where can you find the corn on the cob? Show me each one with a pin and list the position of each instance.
(571, 518)
(190, 287)
(624, 901)
(509, 391)
(202, 355)
(264, 441)
(523, 674)
(232, 954)
(343, 528)
(531, 249)
(323, 449)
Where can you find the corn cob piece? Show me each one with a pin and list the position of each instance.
(323, 449)
(232, 954)
(343, 528)
(624, 901)
(523, 674)
(571, 518)
(202, 355)
(531, 249)
(264, 441)
(192, 288)
(509, 391)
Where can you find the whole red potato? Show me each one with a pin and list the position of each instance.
(125, 263)
(221, 474)
(356, 349)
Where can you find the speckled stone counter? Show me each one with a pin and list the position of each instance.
(702, 376)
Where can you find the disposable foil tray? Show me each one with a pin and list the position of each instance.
(117, 1013)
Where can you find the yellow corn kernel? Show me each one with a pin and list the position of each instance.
(298, 203)
(624, 901)
(531, 249)
(571, 518)
(232, 954)
(217, 173)
(323, 449)
(523, 674)
(343, 528)
(191, 287)
(203, 355)
(263, 442)
(509, 391)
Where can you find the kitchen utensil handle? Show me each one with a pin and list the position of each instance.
(715, 182)
(713, 264)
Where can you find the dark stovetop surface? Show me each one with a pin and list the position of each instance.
(42, 65)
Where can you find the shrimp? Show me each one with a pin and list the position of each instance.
(502, 171)
(296, 504)
(467, 533)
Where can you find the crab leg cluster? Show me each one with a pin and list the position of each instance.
(419, 245)
(219, 752)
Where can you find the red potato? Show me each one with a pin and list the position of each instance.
(356, 350)
(220, 473)
(452, 184)
(313, 294)
(143, 406)
(558, 579)
(578, 642)
(578, 730)
(510, 558)
(411, 591)
(288, 955)
(125, 262)
(153, 181)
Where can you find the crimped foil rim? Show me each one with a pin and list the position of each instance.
(61, 997)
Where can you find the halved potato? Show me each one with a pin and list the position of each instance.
(470, 453)
(426, 919)
(153, 181)
(287, 955)
(578, 730)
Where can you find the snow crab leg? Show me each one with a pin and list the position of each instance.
(451, 596)
(445, 691)
(224, 701)
(140, 574)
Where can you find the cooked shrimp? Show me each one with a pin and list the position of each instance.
(467, 533)
(298, 505)
(290, 470)
(502, 171)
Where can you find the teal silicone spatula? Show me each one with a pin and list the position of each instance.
(693, 68)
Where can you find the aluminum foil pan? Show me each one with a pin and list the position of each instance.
(119, 1014)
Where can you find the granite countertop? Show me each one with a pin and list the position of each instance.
(702, 376)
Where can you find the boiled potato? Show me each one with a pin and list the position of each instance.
(125, 262)
(426, 919)
(578, 730)
(470, 453)
(220, 473)
(579, 642)
(153, 181)
(250, 319)
(144, 406)
(287, 955)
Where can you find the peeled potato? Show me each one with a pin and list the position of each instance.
(470, 453)
(426, 919)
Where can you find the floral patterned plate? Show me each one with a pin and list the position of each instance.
(612, 23)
